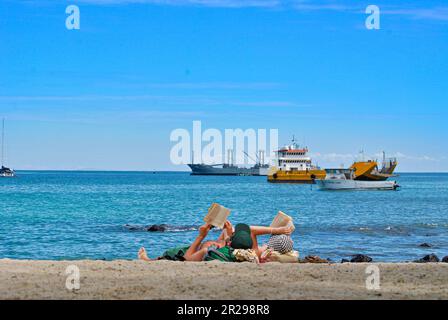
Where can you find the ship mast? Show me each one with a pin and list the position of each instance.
(3, 141)
(361, 154)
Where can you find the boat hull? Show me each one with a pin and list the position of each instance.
(340, 184)
(6, 173)
(306, 177)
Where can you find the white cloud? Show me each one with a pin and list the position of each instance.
(75, 98)
(428, 13)
(425, 13)
(403, 156)
(438, 13)
(316, 6)
(349, 157)
(204, 3)
(333, 157)
(269, 104)
(214, 85)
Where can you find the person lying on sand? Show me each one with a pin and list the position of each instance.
(242, 236)
(180, 253)
(280, 238)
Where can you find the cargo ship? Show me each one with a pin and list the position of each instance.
(4, 171)
(293, 165)
(229, 168)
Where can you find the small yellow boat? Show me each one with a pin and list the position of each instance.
(369, 170)
(293, 165)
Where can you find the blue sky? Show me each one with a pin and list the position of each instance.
(108, 95)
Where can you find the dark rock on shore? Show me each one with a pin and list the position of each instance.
(425, 245)
(345, 261)
(157, 228)
(445, 259)
(428, 258)
(313, 259)
(361, 258)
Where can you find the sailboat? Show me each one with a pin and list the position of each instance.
(4, 171)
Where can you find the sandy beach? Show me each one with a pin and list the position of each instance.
(24, 279)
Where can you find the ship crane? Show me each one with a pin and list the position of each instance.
(260, 159)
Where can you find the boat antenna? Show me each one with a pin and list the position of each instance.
(3, 141)
(362, 154)
(294, 144)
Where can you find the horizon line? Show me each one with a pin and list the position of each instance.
(150, 171)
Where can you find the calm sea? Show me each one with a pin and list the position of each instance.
(102, 215)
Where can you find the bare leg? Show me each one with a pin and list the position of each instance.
(255, 243)
(194, 253)
(258, 231)
(142, 255)
(195, 256)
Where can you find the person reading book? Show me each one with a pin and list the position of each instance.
(245, 237)
(283, 243)
(196, 249)
(242, 236)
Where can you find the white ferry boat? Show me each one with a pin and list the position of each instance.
(294, 165)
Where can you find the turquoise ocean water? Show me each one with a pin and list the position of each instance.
(102, 215)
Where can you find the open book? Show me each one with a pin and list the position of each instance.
(217, 215)
(282, 220)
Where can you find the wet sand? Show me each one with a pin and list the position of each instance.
(23, 279)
